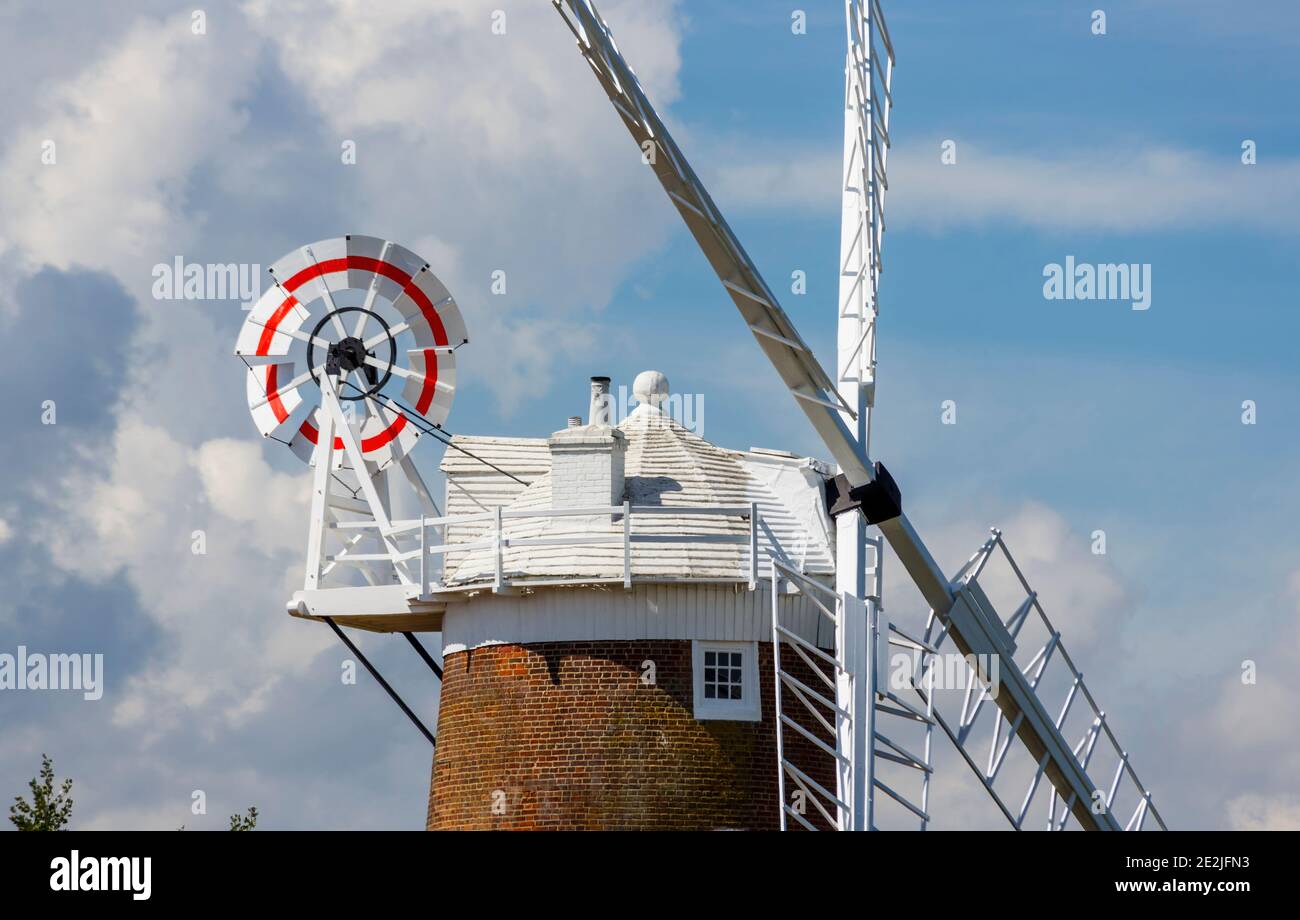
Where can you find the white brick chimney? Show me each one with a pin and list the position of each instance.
(587, 460)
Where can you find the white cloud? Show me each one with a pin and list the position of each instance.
(1120, 190)
(33, 45)
(479, 151)
(761, 177)
(1083, 594)
(125, 511)
(1112, 189)
(495, 152)
(1252, 717)
(134, 127)
(1249, 734)
(1264, 813)
(128, 129)
(239, 485)
(140, 518)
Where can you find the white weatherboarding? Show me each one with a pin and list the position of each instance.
(368, 317)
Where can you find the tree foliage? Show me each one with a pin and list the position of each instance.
(48, 810)
(244, 822)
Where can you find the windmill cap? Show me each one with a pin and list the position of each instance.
(651, 388)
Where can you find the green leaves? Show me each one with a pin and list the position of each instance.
(48, 810)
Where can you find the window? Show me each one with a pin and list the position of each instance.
(722, 675)
(726, 680)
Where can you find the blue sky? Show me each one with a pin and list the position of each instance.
(484, 152)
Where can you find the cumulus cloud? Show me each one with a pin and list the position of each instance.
(1250, 727)
(128, 130)
(57, 48)
(482, 149)
(1083, 594)
(482, 152)
(239, 485)
(1264, 813)
(492, 153)
(180, 524)
(1245, 715)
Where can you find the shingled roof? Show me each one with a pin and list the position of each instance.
(666, 466)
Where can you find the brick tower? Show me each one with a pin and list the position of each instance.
(608, 661)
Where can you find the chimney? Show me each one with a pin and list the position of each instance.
(587, 460)
(601, 412)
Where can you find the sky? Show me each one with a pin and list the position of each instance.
(129, 140)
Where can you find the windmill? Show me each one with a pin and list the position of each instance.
(624, 580)
(867, 503)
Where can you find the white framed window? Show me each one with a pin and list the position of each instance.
(726, 680)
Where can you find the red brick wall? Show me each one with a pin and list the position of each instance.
(565, 735)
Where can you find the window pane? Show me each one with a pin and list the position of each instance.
(721, 679)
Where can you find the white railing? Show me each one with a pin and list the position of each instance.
(416, 545)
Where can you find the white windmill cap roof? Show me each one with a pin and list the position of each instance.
(667, 466)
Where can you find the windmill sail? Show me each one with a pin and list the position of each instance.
(859, 550)
(972, 625)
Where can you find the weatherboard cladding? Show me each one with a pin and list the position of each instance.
(647, 612)
(666, 465)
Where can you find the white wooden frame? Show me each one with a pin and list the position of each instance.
(750, 706)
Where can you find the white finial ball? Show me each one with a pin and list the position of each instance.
(651, 388)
